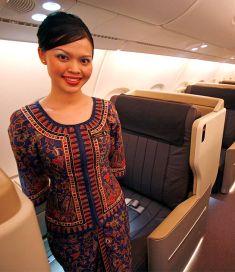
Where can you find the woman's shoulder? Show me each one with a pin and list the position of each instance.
(105, 102)
(18, 115)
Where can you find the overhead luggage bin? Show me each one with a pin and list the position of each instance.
(226, 172)
(163, 134)
(21, 245)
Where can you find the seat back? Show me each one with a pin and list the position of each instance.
(21, 246)
(157, 137)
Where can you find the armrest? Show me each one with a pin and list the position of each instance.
(172, 243)
(229, 169)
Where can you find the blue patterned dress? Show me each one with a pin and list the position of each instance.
(75, 169)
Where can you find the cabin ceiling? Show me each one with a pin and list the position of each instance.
(166, 27)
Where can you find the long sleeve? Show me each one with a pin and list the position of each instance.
(34, 182)
(117, 155)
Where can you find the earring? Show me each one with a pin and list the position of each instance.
(43, 61)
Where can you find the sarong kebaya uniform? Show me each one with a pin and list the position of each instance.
(75, 169)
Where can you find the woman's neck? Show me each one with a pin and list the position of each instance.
(58, 100)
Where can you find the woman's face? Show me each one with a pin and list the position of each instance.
(69, 65)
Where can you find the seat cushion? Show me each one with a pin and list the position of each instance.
(141, 225)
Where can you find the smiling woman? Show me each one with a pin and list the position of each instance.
(68, 65)
(74, 141)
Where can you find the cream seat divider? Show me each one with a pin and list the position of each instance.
(21, 245)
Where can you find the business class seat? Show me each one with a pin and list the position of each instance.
(226, 171)
(21, 246)
(163, 136)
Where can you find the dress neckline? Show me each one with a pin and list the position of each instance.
(47, 116)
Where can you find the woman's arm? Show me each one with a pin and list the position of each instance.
(117, 155)
(34, 182)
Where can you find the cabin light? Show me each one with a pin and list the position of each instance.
(203, 45)
(38, 17)
(51, 6)
(232, 58)
(194, 49)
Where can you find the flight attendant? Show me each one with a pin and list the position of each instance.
(69, 152)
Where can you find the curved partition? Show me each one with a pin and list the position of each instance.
(226, 175)
(21, 245)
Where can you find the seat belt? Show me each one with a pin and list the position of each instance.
(134, 204)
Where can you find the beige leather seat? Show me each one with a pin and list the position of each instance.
(21, 245)
(173, 241)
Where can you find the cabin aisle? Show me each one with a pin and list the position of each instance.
(217, 251)
(54, 265)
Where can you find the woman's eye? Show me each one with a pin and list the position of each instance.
(62, 57)
(85, 60)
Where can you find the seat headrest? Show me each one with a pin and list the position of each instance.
(163, 120)
(227, 93)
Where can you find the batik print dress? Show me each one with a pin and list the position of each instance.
(75, 169)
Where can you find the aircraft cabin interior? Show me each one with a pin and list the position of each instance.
(168, 67)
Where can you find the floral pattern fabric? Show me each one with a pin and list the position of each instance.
(75, 169)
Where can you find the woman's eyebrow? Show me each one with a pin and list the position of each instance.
(62, 50)
(66, 52)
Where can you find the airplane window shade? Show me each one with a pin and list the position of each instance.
(158, 86)
(116, 91)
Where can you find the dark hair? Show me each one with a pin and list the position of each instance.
(60, 28)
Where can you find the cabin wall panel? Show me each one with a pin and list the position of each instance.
(197, 70)
(23, 79)
(137, 71)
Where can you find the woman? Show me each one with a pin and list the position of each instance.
(69, 152)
